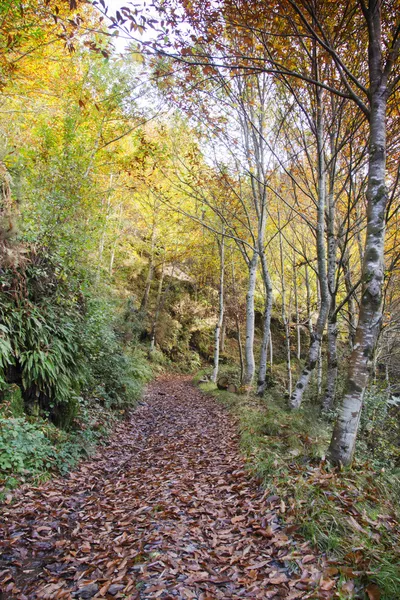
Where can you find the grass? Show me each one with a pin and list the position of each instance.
(351, 515)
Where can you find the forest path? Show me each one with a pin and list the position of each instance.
(166, 510)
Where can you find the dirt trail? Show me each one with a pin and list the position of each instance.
(167, 510)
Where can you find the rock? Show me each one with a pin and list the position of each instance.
(88, 591)
(223, 383)
(115, 588)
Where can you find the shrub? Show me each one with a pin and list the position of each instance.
(380, 428)
(24, 447)
(114, 375)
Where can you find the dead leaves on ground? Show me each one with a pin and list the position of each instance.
(166, 511)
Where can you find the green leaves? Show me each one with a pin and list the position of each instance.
(23, 447)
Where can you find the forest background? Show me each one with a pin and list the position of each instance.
(220, 198)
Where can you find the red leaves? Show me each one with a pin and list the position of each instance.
(167, 510)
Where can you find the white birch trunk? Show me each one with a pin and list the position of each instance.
(345, 432)
(104, 232)
(352, 320)
(296, 307)
(249, 342)
(237, 321)
(319, 372)
(217, 343)
(157, 311)
(309, 315)
(271, 350)
(223, 335)
(285, 318)
(316, 338)
(150, 272)
(262, 373)
(332, 366)
(114, 246)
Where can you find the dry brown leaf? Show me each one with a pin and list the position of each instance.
(373, 592)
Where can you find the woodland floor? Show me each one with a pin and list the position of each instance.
(166, 510)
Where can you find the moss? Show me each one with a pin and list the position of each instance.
(63, 414)
(11, 402)
(372, 255)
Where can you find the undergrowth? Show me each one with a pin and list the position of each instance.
(32, 449)
(351, 515)
(70, 365)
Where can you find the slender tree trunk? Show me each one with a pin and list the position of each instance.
(319, 372)
(308, 291)
(296, 307)
(237, 321)
(332, 367)
(114, 246)
(249, 343)
(112, 259)
(221, 247)
(285, 319)
(150, 272)
(262, 374)
(157, 311)
(240, 346)
(370, 318)
(316, 338)
(271, 350)
(332, 370)
(104, 231)
(352, 322)
(223, 335)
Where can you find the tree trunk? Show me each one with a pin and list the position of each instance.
(296, 307)
(240, 347)
(316, 338)
(332, 370)
(223, 335)
(104, 232)
(285, 318)
(319, 372)
(249, 343)
(114, 246)
(262, 374)
(370, 318)
(271, 350)
(237, 321)
(309, 316)
(150, 272)
(157, 311)
(332, 367)
(352, 321)
(221, 247)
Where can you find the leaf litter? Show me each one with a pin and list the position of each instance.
(167, 510)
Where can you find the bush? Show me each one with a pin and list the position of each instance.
(24, 447)
(33, 447)
(41, 318)
(115, 376)
(380, 428)
(64, 358)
